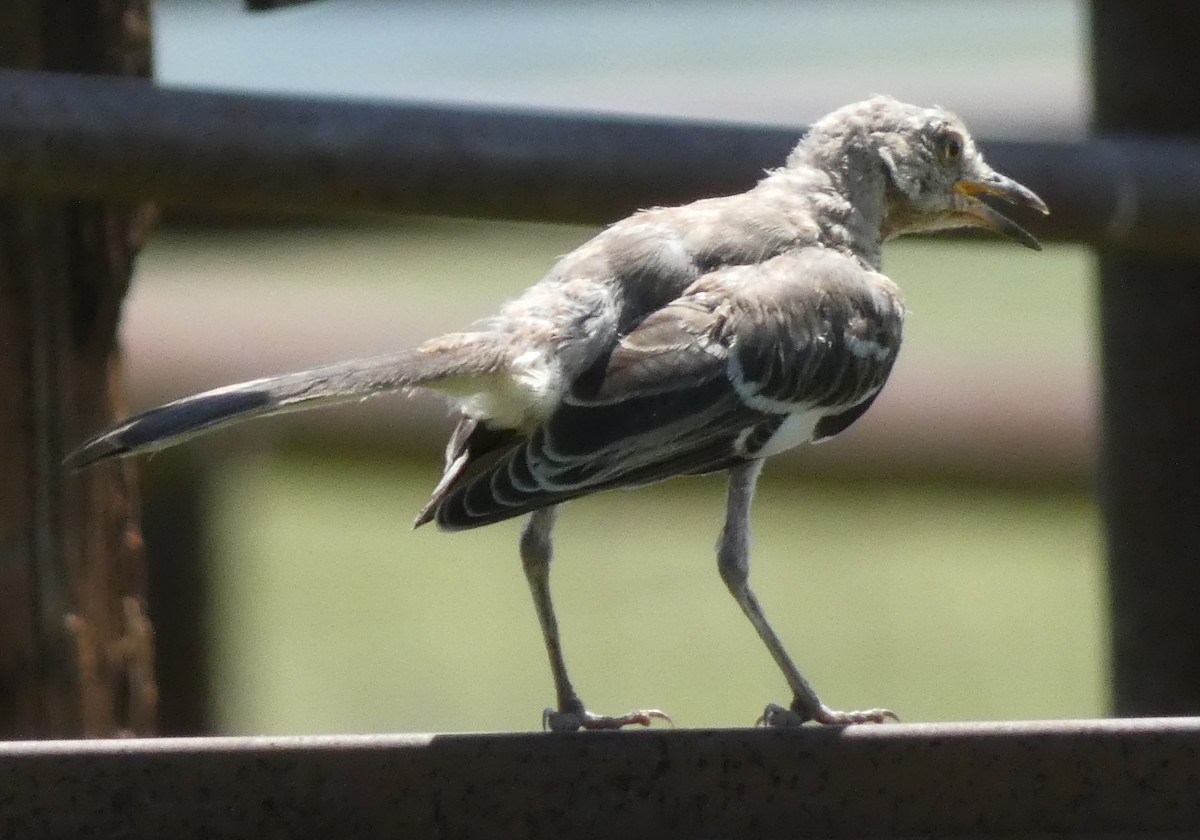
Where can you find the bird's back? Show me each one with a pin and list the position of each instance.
(601, 291)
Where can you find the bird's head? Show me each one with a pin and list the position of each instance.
(933, 175)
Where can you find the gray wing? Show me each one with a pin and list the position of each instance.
(698, 386)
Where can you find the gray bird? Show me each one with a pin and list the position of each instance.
(679, 341)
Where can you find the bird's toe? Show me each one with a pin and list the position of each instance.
(779, 717)
(570, 721)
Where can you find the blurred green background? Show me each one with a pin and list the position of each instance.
(943, 558)
(939, 603)
(944, 596)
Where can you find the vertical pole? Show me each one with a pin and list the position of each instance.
(173, 523)
(1146, 69)
(76, 649)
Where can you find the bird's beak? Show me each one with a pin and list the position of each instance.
(969, 207)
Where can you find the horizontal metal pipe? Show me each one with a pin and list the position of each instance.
(1115, 779)
(124, 140)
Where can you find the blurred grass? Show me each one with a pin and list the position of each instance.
(993, 297)
(940, 603)
(953, 601)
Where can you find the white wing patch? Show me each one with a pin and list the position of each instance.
(796, 429)
(865, 348)
(750, 393)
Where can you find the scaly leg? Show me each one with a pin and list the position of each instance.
(733, 561)
(571, 714)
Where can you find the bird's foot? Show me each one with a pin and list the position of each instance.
(778, 716)
(569, 721)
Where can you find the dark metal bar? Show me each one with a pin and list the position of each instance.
(178, 532)
(1151, 366)
(1113, 779)
(272, 5)
(120, 139)
(72, 136)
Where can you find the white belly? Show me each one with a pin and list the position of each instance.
(795, 430)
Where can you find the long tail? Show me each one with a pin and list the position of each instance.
(459, 355)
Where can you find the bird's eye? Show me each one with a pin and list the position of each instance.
(951, 147)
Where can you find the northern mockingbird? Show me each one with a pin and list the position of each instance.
(679, 341)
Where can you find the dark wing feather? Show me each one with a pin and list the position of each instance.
(830, 344)
(660, 405)
(698, 386)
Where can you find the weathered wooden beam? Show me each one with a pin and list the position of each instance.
(76, 652)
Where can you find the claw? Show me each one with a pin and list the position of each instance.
(644, 717)
(829, 717)
(777, 716)
(557, 721)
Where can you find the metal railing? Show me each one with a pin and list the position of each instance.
(1085, 779)
(122, 140)
(126, 139)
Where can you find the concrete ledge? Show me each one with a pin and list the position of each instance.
(1114, 778)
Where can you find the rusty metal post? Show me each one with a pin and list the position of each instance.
(1145, 65)
(76, 650)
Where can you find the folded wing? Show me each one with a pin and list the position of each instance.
(749, 360)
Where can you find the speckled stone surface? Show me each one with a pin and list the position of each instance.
(1083, 779)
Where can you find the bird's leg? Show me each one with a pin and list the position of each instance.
(571, 714)
(733, 561)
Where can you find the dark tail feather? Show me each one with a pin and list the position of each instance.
(172, 423)
(451, 356)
